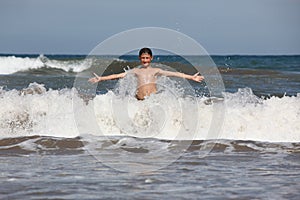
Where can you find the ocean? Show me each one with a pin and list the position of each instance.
(235, 135)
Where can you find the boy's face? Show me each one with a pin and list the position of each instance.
(145, 59)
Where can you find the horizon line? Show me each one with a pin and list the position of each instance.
(82, 54)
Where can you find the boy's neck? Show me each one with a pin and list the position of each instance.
(142, 66)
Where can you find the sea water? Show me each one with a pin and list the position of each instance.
(62, 141)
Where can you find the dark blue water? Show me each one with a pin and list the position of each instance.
(265, 75)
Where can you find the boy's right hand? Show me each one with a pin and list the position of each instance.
(95, 79)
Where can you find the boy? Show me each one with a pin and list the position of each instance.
(146, 75)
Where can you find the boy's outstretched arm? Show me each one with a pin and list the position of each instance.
(196, 77)
(105, 78)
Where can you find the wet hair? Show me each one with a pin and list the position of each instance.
(145, 50)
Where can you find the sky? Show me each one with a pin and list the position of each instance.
(222, 27)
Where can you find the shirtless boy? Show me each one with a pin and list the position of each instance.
(146, 75)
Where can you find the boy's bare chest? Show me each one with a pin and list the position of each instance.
(146, 74)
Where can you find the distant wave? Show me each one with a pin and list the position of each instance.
(13, 64)
(36, 111)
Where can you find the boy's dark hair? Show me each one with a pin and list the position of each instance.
(145, 50)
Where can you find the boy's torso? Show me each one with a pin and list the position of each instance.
(146, 81)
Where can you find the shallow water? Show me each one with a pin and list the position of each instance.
(61, 168)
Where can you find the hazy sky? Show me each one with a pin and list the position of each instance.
(220, 26)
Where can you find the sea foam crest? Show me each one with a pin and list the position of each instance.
(13, 64)
(37, 111)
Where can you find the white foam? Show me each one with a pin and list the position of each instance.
(275, 119)
(162, 116)
(246, 118)
(46, 114)
(73, 66)
(12, 64)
